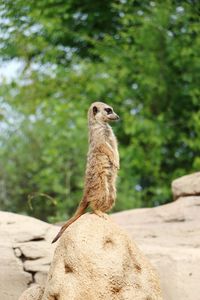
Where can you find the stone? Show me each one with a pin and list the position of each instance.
(14, 280)
(37, 265)
(23, 239)
(188, 185)
(169, 236)
(96, 260)
(40, 277)
(33, 293)
(18, 252)
(32, 250)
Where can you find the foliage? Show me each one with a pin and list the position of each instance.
(142, 57)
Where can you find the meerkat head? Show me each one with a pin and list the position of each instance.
(101, 112)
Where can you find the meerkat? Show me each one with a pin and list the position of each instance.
(102, 164)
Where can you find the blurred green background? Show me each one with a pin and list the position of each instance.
(141, 57)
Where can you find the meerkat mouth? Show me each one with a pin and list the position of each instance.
(113, 117)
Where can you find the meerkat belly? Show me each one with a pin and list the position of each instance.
(100, 183)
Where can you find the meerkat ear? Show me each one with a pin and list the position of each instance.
(95, 110)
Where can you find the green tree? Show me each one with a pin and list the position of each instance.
(141, 57)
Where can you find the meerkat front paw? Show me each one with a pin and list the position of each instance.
(116, 166)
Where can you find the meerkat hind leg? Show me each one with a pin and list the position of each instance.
(100, 214)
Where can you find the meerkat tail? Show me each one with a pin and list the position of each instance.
(79, 212)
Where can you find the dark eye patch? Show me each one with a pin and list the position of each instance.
(108, 110)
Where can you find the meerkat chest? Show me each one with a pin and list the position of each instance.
(112, 141)
(110, 137)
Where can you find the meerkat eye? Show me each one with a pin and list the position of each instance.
(108, 110)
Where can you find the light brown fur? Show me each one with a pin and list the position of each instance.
(102, 164)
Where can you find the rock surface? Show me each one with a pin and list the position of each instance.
(26, 253)
(188, 185)
(33, 293)
(168, 235)
(95, 260)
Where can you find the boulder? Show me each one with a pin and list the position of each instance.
(96, 260)
(33, 293)
(188, 185)
(26, 253)
(169, 236)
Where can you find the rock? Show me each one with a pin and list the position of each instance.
(32, 250)
(188, 185)
(26, 253)
(18, 252)
(13, 278)
(40, 277)
(169, 236)
(96, 260)
(34, 293)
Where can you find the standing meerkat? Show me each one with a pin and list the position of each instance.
(102, 164)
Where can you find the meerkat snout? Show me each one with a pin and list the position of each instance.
(113, 117)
